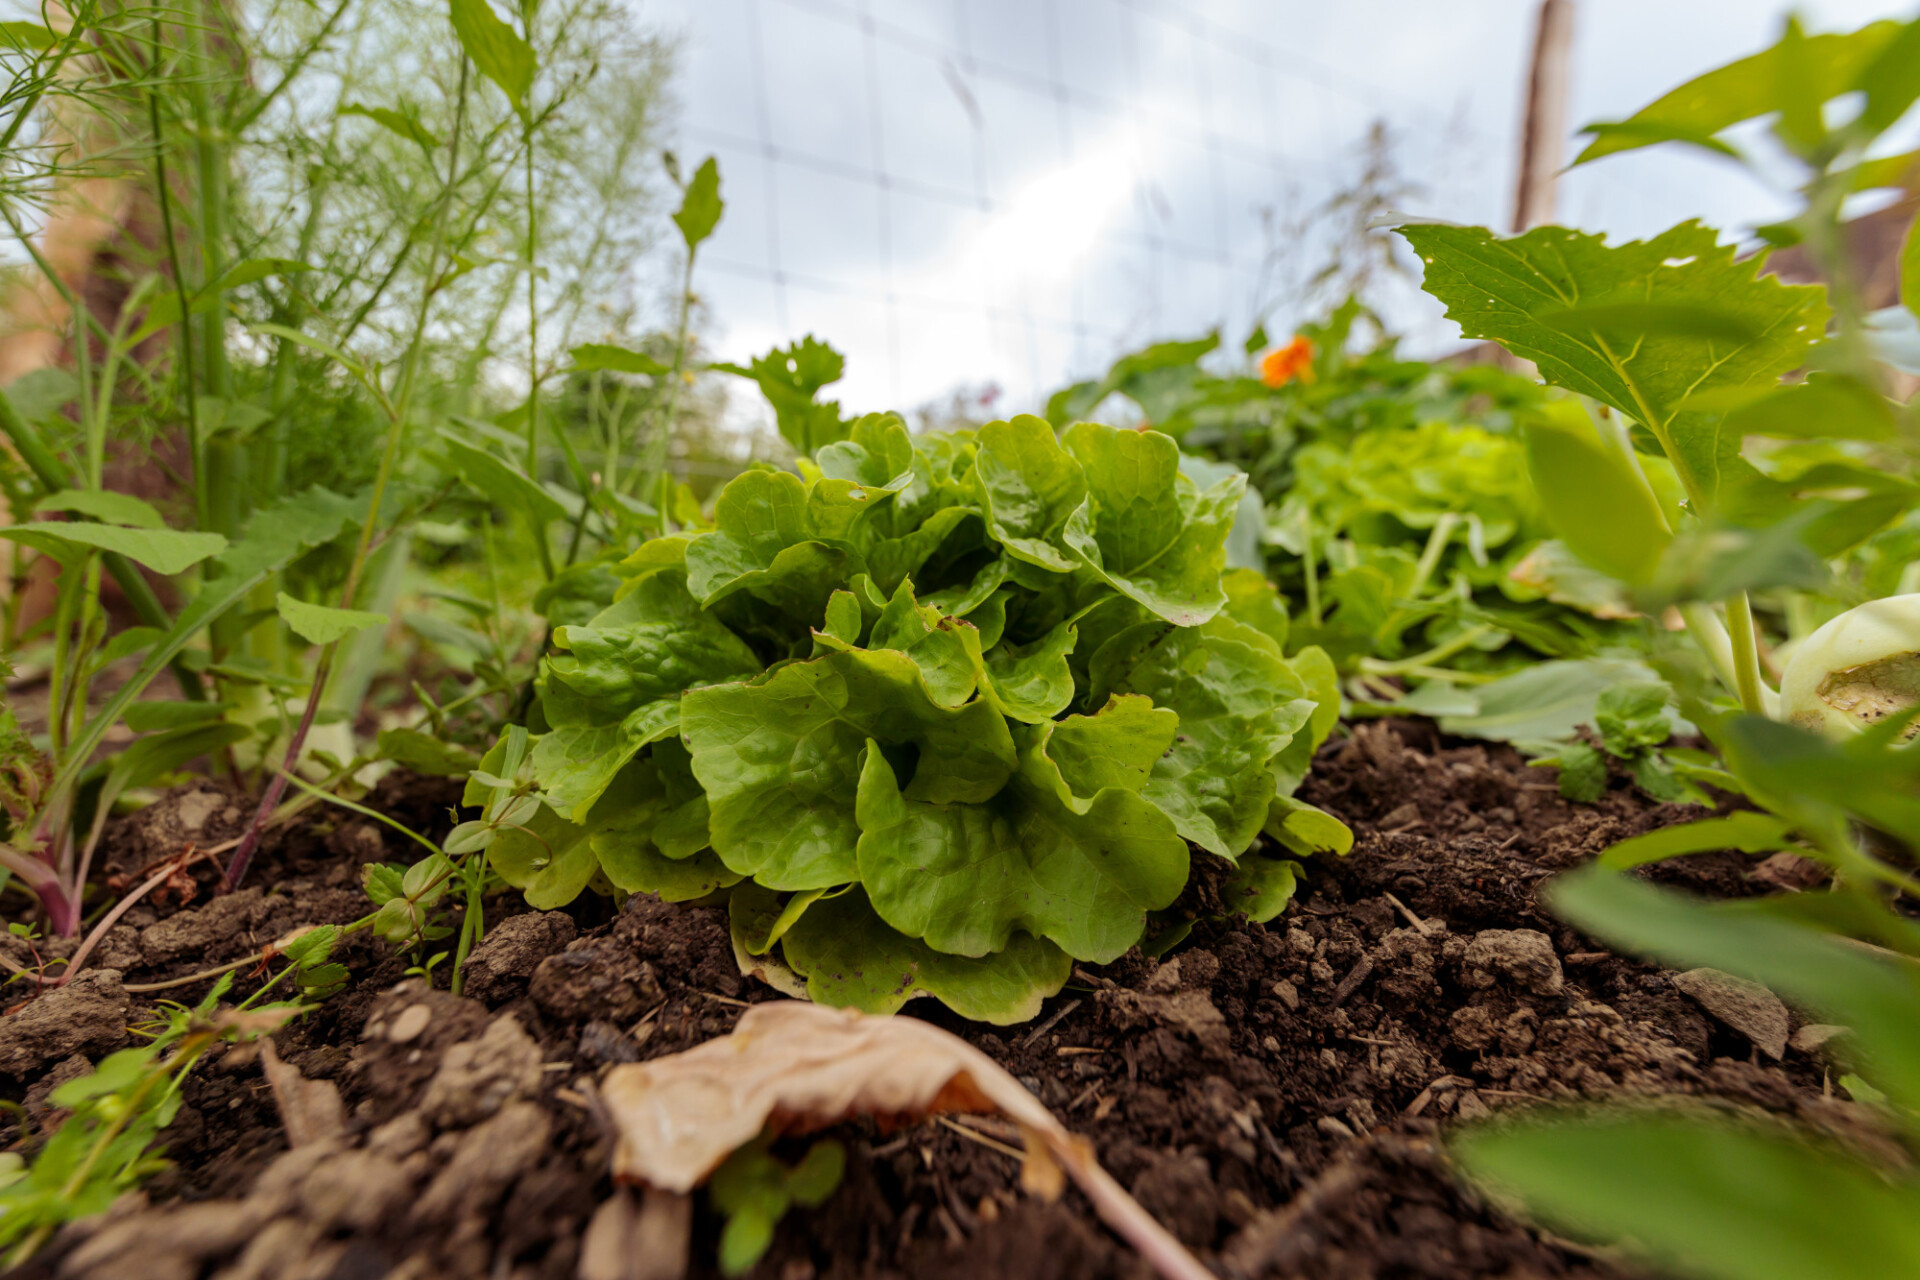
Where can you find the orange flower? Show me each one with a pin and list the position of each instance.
(1283, 364)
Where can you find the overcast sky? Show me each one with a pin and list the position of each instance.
(1012, 192)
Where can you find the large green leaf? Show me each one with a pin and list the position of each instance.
(763, 542)
(1029, 487)
(1594, 494)
(1747, 832)
(616, 685)
(1703, 1195)
(167, 551)
(780, 759)
(1081, 869)
(1804, 70)
(499, 481)
(1552, 296)
(851, 957)
(1545, 702)
(1239, 704)
(1147, 530)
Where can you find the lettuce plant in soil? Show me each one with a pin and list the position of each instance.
(938, 715)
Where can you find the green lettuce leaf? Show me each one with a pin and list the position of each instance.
(851, 957)
(1239, 706)
(779, 759)
(1145, 529)
(1029, 488)
(616, 685)
(1080, 866)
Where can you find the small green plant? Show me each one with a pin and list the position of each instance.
(1631, 727)
(106, 1146)
(754, 1190)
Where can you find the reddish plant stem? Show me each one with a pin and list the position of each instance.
(237, 868)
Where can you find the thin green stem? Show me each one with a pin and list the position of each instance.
(1746, 655)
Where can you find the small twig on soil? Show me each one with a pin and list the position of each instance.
(1278, 1239)
(167, 871)
(1355, 976)
(1028, 1040)
(1425, 929)
(738, 1004)
(1442, 1084)
(975, 1135)
(192, 978)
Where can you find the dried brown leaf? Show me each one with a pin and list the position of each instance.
(793, 1067)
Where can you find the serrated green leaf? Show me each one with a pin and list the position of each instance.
(851, 957)
(324, 624)
(1499, 288)
(166, 551)
(1145, 529)
(497, 50)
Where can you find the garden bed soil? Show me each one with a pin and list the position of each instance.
(1276, 1095)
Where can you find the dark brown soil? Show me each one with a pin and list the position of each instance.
(1276, 1095)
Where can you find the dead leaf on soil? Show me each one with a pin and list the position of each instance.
(796, 1067)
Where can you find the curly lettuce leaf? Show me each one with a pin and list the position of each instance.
(616, 685)
(1030, 488)
(763, 543)
(779, 759)
(851, 957)
(1146, 530)
(1239, 705)
(1081, 870)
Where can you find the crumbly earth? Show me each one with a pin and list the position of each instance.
(1278, 1096)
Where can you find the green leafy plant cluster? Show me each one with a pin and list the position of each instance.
(943, 714)
(1389, 500)
(1768, 407)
